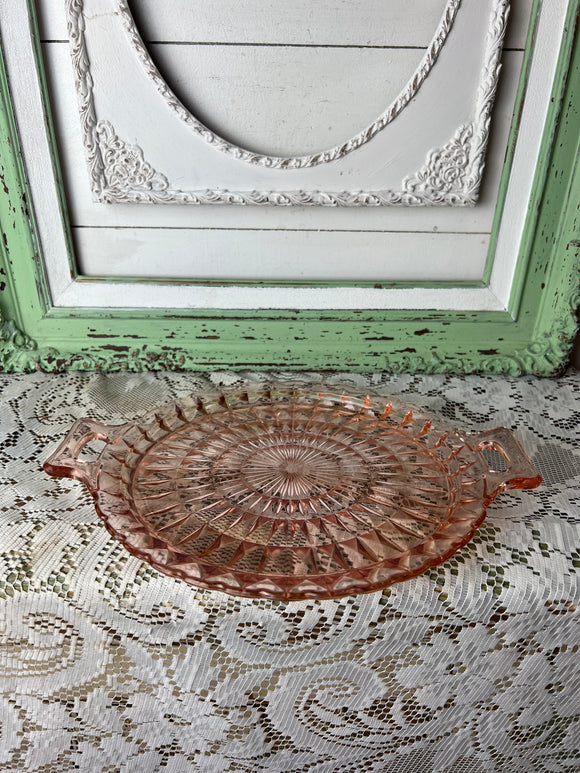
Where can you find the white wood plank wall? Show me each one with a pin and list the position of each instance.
(350, 45)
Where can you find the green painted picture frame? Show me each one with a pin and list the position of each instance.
(533, 336)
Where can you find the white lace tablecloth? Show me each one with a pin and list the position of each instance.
(108, 665)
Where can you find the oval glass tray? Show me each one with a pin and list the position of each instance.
(291, 494)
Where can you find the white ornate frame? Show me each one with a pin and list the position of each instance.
(450, 176)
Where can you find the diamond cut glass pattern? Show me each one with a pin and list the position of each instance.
(290, 494)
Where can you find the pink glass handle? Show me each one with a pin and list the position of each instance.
(520, 472)
(64, 462)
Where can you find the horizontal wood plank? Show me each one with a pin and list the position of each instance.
(84, 211)
(281, 100)
(302, 22)
(280, 255)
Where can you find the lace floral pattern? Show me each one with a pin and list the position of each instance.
(110, 666)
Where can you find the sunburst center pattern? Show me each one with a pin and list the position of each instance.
(291, 471)
(237, 487)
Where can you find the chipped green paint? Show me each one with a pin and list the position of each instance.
(534, 337)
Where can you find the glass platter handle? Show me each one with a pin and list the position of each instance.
(65, 462)
(520, 473)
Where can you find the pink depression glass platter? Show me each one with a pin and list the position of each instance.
(290, 494)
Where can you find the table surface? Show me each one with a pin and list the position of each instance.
(108, 665)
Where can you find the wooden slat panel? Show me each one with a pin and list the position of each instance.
(282, 100)
(301, 22)
(366, 22)
(84, 211)
(254, 254)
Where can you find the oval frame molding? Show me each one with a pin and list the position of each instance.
(214, 139)
(450, 175)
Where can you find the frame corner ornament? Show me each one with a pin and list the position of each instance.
(442, 179)
(17, 350)
(125, 170)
